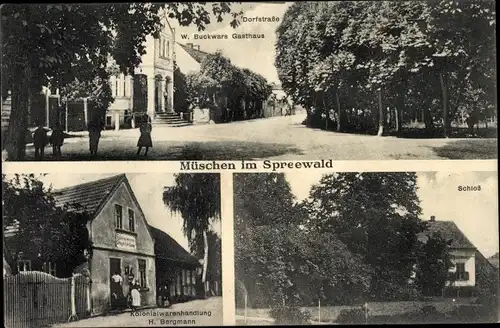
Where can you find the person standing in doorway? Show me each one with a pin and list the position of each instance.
(40, 140)
(145, 138)
(57, 140)
(116, 289)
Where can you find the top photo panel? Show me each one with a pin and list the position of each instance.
(343, 80)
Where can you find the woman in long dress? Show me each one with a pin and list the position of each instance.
(136, 296)
(145, 138)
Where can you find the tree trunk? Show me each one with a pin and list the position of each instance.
(205, 262)
(444, 91)
(397, 117)
(16, 135)
(400, 109)
(327, 111)
(381, 120)
(339, 110)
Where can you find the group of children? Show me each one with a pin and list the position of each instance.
(41, 139)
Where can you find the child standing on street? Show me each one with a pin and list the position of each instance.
(40, 140)
(57, 140)
(145, 138)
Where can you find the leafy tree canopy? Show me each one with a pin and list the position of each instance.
(56, 44)
(46, 230)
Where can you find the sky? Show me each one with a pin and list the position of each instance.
(475, 213)
(148, 188)
(254, 54)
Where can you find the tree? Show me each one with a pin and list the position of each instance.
(263, 199)
(238, 92)
(46, 231)
(387, 54)
(376, 215)
(214, 267)
(97, 91)
(52, 44)
(282, 264)
(433, 265)
(197, 198)
(183, 96)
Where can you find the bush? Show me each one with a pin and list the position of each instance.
(356, 315)
(429, 310)
(290, 316)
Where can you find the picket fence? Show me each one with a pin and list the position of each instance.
(37, 299)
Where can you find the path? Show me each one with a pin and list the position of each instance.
(160, 317)
(278, 138)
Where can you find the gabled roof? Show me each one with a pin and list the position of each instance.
(166, 248)
(494, 260)
(482, 260)
(449, 231)
(89, 196)
(197, 55)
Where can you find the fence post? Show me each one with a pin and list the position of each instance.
(89, 309)
(366, 312)
(47, 107)
(319, 310)
(246, 303)
(73, 305)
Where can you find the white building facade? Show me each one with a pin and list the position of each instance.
(151, 89)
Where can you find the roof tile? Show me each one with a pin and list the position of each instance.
(197, 55)
(87, 197)
(450, 231)
(167, 248)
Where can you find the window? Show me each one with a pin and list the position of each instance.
(124, 92)
(118, 213)
(178, 287)
(131, 220)
(167, 50)
(23, 265)
(142, 273)
(461, 274)
(50, 268)
(116, 86)
(193, 277)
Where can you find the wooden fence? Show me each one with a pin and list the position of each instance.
(36, 299)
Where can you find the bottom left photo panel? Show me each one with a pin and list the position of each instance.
(109, 250)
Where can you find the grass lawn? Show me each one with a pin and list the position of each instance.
(469, 149)
(377, 310)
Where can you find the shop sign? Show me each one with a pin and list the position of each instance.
(125, 241)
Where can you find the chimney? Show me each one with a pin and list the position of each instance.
(198, 46)
(189, 44)
(433, 218)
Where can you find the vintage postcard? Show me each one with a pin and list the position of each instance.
(249, 163)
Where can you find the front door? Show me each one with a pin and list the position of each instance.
(115, 266)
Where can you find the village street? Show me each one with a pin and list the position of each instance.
(161, 318)
(278, 138)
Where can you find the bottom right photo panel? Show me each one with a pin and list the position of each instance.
(366, 247)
